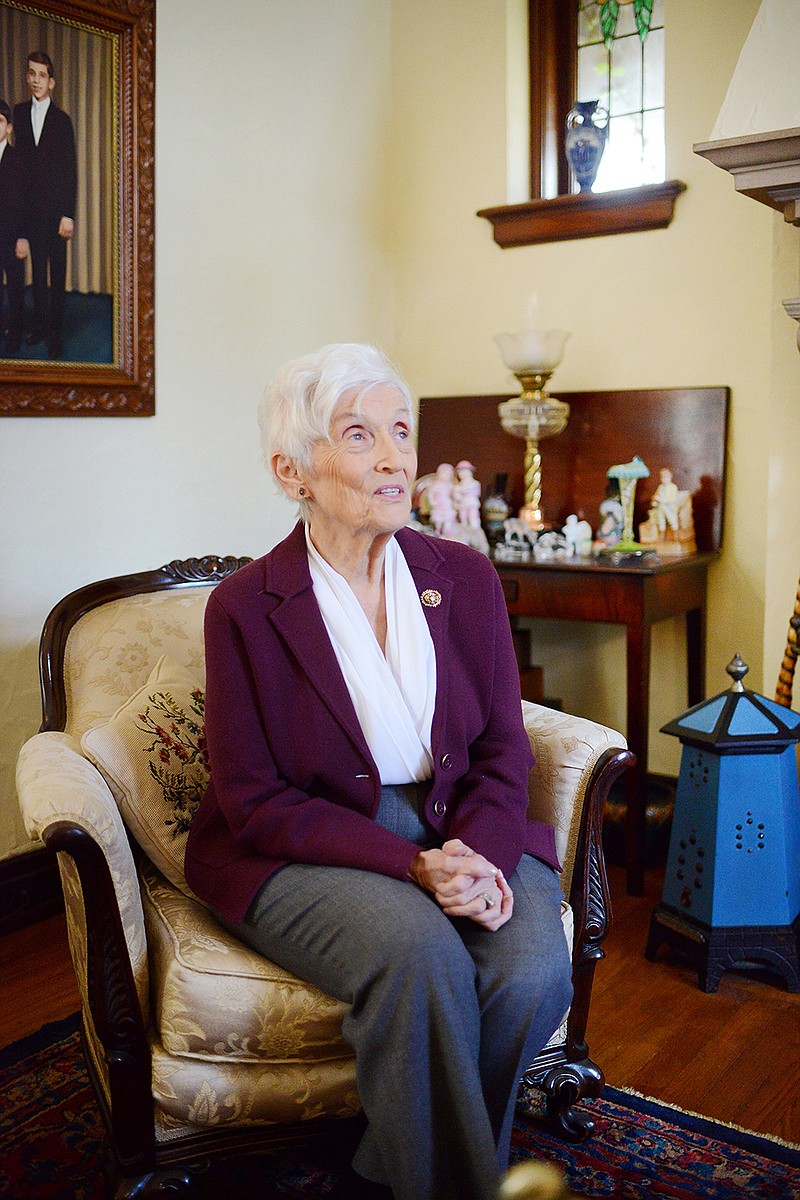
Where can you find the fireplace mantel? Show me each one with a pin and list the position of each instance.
(765, 166)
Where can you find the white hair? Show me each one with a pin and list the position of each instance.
(298, 406)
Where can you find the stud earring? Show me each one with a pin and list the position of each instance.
(301, 491)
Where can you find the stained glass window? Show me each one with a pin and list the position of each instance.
(621, 64)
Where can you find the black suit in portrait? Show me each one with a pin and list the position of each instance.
(12, 227)
(51, 177)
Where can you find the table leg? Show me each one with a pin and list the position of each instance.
(638, 675)
(696, 655)
(531, 677)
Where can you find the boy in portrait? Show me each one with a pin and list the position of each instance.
(13, 245)
(45, 141)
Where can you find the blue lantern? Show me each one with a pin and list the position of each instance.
(731, 894)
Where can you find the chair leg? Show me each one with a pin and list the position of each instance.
(563, 1087)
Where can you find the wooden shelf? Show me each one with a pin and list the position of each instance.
(584, 215)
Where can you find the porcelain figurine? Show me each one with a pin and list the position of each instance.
(609, 532)
(448, 504)
(578, 535)
(467, 495)
(441, 501)
(518, 540)
(551, 547)
(669, 528)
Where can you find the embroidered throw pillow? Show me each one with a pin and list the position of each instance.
(152, 754)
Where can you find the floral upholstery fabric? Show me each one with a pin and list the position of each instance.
(219, 1006)
(215, 996)
(56, 783)
(153, 756)
(111, 650)
(191, 1093)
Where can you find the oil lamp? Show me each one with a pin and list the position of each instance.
(532, 355)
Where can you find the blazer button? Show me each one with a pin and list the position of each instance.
(440, 808)
(446, 762)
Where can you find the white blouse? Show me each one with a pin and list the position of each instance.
(393, 695)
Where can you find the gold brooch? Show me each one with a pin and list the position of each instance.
(431, 598)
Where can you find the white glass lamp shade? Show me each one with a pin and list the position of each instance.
(538, 351)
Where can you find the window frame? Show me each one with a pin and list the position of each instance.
(553, 81)
(554, 213)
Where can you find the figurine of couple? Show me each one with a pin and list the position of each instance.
(454, 496)
(451, 502)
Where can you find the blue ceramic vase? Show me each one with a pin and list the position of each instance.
(585, 141)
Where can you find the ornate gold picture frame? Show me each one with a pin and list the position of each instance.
(104, 70)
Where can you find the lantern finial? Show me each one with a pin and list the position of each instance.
(737, 668)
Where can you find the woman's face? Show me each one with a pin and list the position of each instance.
(360, 481)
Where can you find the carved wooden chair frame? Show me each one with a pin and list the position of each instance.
(565, 1073)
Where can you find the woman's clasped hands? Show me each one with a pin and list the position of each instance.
(464, 884)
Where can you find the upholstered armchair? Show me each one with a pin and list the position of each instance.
(196, 1045)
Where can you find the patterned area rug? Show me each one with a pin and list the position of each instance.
(52, 1148)
(644, 1150)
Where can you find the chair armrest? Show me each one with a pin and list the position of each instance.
(62, 793)
(576, 763)
(567, 749)
(66, 802)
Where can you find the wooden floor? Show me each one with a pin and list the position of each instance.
(733, 1055)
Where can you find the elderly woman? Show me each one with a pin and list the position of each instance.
(365, 826)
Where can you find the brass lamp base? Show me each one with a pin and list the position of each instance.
(534, 415)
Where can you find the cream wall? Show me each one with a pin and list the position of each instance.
(271, 154)
(319, 164)
(696, 304)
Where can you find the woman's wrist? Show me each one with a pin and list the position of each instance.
(414, 866)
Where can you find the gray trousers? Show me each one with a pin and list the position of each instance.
(444, 1016)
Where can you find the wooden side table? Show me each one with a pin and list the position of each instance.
(684, 429)
(635, 597)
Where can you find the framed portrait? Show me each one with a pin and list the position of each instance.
(77, 207)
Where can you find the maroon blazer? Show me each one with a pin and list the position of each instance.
(292, 778)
